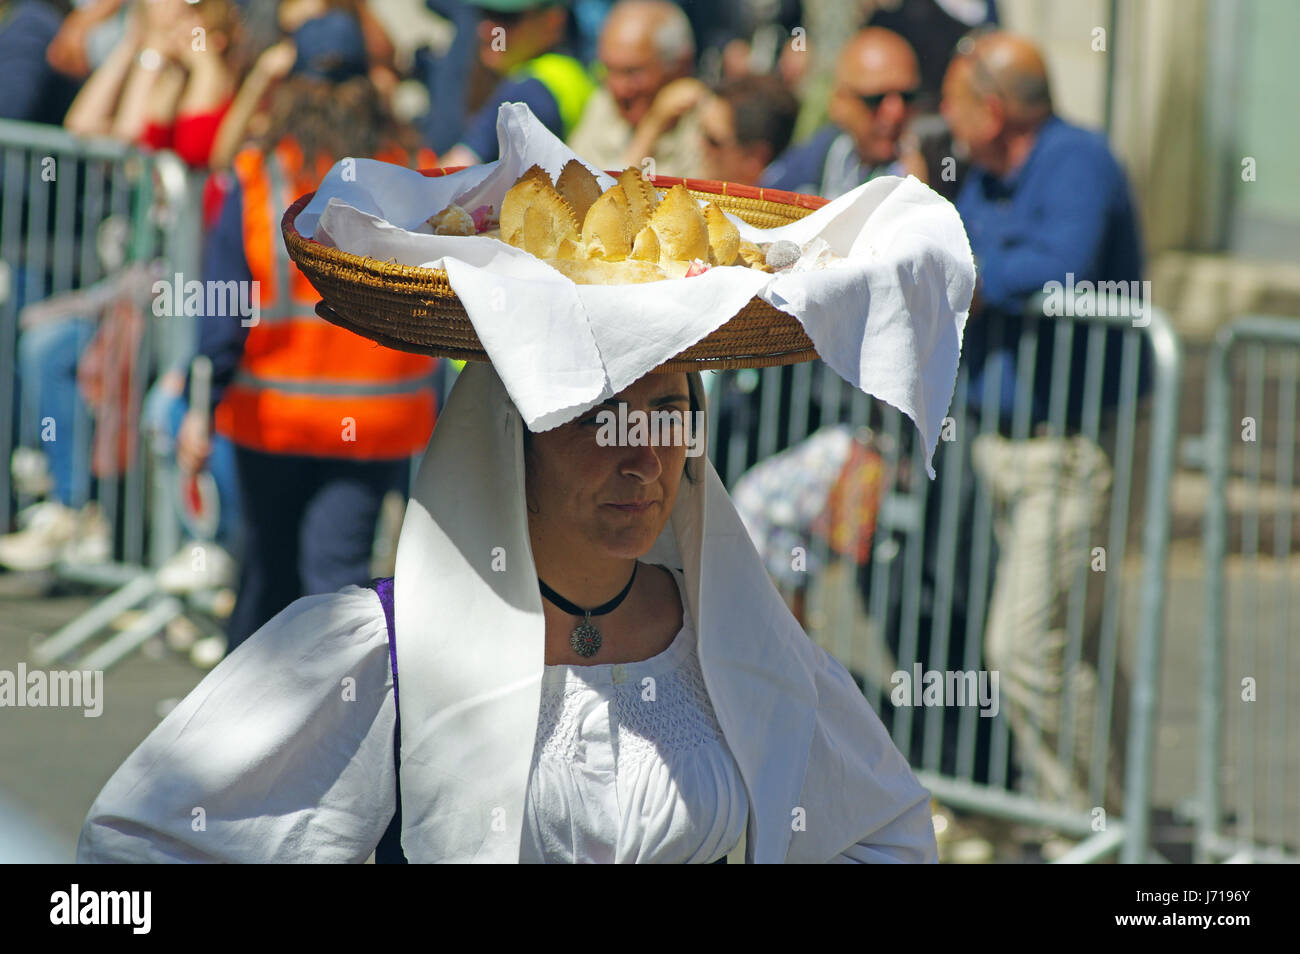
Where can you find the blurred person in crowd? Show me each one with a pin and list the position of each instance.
(876, 76)
(86, 37)
(380, 52)
(742, 38)
(35, 92)
(647, 103)
(163, 415)
(745, 126)
(366, 47)
(588, 19)
(457, 80)
(59, 431)
(115, 100)
(417, 35)
(876, 83)
(932, 28)
(170, 82)
(1044, 199)
(198, 81)
(324, 423)
(522, 40)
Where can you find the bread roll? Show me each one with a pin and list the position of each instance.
(578, 187)
(606, 230)
(680, 225)
(724, 237)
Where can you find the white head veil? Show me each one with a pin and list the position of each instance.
(470, 642)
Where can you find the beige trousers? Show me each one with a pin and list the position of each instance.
(1052, 500)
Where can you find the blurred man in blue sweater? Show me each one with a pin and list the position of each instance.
(1046, 202)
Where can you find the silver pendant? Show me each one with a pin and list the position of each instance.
(585, 639)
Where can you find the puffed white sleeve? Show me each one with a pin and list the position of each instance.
(283, 753)
(856, 772)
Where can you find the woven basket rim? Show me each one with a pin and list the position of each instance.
(288, 222)
(394, 275)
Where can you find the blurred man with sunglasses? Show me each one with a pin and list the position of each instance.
(877, 80)
(522, 40)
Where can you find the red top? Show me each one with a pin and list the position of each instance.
(191, 136)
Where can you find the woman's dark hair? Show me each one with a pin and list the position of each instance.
(763, 111)
(332, 120)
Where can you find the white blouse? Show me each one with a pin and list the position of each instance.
(630, 764)
(284, 753)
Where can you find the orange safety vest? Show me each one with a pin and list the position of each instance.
(305, 386)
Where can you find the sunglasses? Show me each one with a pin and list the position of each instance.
(873, 100)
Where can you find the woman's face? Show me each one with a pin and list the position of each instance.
(591, 495)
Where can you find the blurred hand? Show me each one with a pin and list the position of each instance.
(193, 446)
(158, 20)
(172, 382)
(675, 100)
(276, 61)
(67, 51)
(911, 158)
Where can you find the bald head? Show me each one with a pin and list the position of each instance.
(876, 51)
(995, 96)
(1012, 69)
(876, 78)
(644, 45)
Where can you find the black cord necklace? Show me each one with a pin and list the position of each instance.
(586, 638)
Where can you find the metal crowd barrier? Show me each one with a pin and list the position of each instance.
(57, 191)
(48, 231)
(1249, 756)
(934, 541)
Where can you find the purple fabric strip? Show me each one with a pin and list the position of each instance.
(389, 849)
(384, 587)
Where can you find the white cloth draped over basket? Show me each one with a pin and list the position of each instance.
(888, 318)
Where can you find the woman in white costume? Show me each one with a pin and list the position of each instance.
(700, 714)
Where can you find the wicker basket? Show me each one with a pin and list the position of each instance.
(414, 309)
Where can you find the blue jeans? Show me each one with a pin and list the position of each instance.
(309, 527)
(163, 413)
(53, 416)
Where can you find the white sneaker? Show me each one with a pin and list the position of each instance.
(94, 540)
(54, 533)
(31, 471)
(207, 652)
(182, 634)
(25, 517)
(196, 566)
(49, 528)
